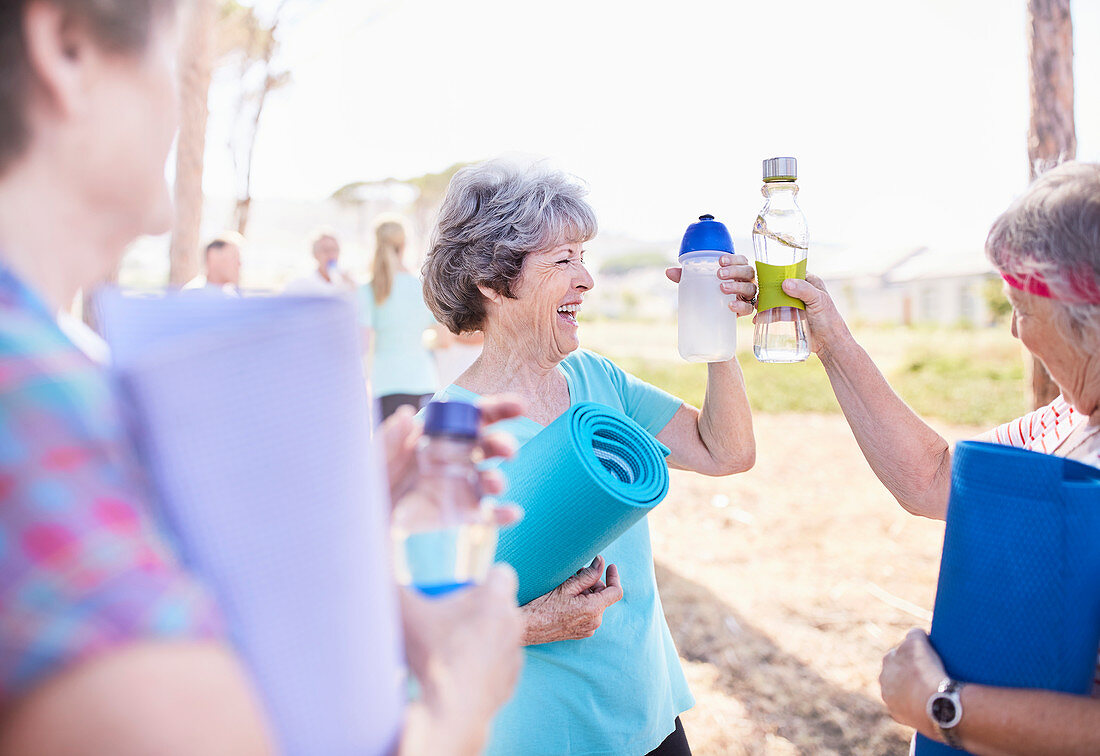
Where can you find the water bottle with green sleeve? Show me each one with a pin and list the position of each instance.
(707, 326)
(780, 239)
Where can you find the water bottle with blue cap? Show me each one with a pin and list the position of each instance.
(444, 530)
(708, 328)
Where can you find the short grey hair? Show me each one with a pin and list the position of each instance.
(493, 216)
(1052, 233)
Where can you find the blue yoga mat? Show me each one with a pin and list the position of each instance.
(583, 481)
(1018, 601)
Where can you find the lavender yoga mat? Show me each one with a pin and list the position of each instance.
(252, 418)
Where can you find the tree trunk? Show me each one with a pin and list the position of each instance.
(1051, 137)
(195, 64)
(244, 200)
(240, 212)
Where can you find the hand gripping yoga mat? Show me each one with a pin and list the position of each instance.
(582, 482)
(1018, 601)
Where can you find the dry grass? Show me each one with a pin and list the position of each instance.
(773, 584)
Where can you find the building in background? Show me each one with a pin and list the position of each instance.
(925, 285)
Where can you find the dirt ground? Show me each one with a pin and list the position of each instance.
(786, 585)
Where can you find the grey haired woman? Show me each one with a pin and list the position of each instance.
(601, 673)
(1046, 246)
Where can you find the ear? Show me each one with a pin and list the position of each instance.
(493, 296)
(59, 52)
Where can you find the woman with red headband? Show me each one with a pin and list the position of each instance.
(1046, 246)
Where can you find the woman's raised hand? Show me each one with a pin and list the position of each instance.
(574, 609)
(736, 276)
(827, 328)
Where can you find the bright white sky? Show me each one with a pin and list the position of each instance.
(908, 119)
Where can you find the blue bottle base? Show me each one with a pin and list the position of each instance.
(442, 589)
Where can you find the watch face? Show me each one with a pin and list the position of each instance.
(943, 710)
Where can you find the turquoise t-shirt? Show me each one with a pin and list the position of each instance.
(401, 363)
(619, 692)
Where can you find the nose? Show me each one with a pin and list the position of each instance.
(1015, 333)
(584, 281)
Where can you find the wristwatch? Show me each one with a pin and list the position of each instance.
(945, 709)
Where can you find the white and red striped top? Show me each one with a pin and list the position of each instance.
(1042, 431)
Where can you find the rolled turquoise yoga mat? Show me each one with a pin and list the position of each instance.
(1018, 600)
(583, 481)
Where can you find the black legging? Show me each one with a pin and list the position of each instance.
(675, 744)
(389, 403)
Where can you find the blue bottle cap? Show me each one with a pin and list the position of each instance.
(452, 418)
(706, 234)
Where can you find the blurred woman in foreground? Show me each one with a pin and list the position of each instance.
(107, 645)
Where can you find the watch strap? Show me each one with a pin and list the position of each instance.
(951, 688)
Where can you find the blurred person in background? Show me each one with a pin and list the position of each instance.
(327, 277)
(222, 263)
(394, 317)
(107, 644)
(1046, 247)
(601, 675)
(455, 353)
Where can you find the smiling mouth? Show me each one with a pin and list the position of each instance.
(569, 313)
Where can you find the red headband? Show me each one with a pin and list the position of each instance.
(1083, 288)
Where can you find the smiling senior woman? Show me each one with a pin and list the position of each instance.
(507, 258)
(1046, 246)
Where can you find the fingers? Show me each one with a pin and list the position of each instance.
(614, 590)
(673, 274)
(735, 268)
(744, 292)
(500, 407)
(740, 307)
(492, 482)
(400, 431)
(613, 577)
(803, 290)
(507, 514)
(585, 578)
(733, 260)
(744, 289)
(497, 445)
(502, 581)
(738, 277)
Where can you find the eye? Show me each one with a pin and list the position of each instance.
(563, 262)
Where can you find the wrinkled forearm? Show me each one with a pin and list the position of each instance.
(911, 459)
(725, 420)
(1014, 722)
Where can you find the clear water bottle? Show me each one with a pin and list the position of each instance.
(707, 326)
(444, 530)
(780, 239)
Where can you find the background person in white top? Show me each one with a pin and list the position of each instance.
(222, 261)
(327, 278)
